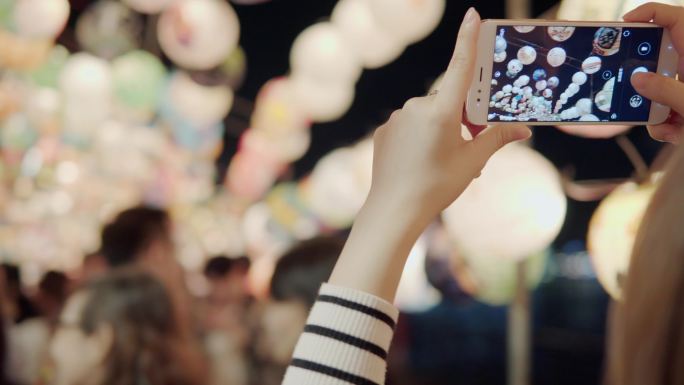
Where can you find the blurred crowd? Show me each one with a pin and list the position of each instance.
(127, 317)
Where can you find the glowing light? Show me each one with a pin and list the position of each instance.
(109, 29)
(323, 54)
(276, 111)
(321, 102)
(198, 34)
(409, 20)
(200, 105)
(138, 77)
(612, 231)
(415, 293)
(40, 19)
(373, 45)
(514, 209)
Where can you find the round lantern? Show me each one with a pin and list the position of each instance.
(335, 190)
(375, 46)
(48, 73)
(514, 209)
(289, 211)
(275, 110)
(198, 34)
(109, 29)
(250, 175)
(409, 20)
(415, 293)
(322, 53)
(612, 231)
(138, 77)
(198, 104)
(492, 280)
(148, 6)
(40, 19)
(322, 102)
(284, 148)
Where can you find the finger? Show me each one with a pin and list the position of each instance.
(668, 16)
(665, 132)
(660, 89)
(494, 138)
(459, 74)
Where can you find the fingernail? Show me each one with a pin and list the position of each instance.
(469, 16)
(640, 79)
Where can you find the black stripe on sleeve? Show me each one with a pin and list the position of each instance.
(347, 339)
(375, 313)
(332, 372)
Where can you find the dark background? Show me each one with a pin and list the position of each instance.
(460, 341)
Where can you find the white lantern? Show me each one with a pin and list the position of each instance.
(285, 148)
(40, 19)
(86, 85)
(198, 34)
(513, 210)
(335, 191)
(199, 104)
(250, 175)
(373, 45)
(276, 111)
(323, 54)
(322, 102)
(415, 293)
(409, 20)
(612, 232)
(148, 6)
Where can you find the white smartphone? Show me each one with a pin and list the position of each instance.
(567, 72)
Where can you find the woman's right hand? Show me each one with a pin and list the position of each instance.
(658, 88)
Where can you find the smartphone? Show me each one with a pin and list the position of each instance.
(567, 72)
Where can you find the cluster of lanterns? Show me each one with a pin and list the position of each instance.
(87, 134)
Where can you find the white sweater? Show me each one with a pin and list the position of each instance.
(345, 340)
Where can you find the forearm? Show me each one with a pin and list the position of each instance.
(374, 256)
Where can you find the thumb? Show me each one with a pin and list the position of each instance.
(660, 89)
(495, 137)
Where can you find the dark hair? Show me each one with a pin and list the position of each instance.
(26, 309)
(131, 232)
(220, 266)
(55, 285)
(300, 272)
(145, 333)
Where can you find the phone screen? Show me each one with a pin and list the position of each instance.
(566, 73)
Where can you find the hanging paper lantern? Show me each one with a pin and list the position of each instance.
(612, 231)
(138, 77)
(264, 238)
(336, 190)
(230, 73)
(322, 102)
(492, 280)
(198, 34)
(198, 104)
(514, 209)
(375, 46)
(323, 54)
(40, 19)
(283, 148)
(415, 293)
(276, 111)
(86, 85)
(48, 73)
(148, 6)
(250, 175)
(408, 20)
(290, 212)
(109, 29)
(22, 53)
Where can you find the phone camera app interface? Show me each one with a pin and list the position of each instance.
(565, 73)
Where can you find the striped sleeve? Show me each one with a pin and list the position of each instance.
(345, 341)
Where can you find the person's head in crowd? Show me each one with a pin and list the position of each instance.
(136, 235)
(647, 336)
(227, 279)
(53, 290)
(297, 277)
(118, 330)
(16, 305)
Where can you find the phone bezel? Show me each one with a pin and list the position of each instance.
(480, 88)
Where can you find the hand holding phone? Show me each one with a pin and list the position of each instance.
(551, 72)
(658, 88)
